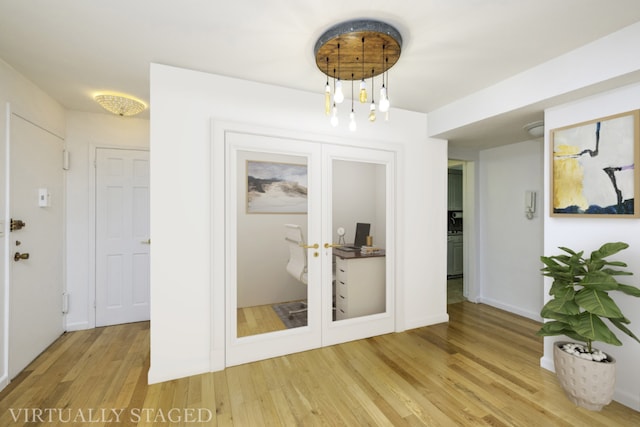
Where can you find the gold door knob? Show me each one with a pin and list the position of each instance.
(332, 245)
(314, 246)
(18, 256)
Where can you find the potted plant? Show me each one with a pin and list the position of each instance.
(581, 309)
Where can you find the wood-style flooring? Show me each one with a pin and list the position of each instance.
(480, 369)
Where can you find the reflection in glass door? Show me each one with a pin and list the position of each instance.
(358, 220)
(359, 214)
(271, 225)
(273, 269)
(284, 272)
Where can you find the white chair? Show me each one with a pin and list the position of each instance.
(297, 264)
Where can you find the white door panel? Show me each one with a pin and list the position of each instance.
(35, 292)
(269, 234)
(358, 186)
(122, 236)
(250, 230)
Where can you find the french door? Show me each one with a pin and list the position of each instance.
(275, 184)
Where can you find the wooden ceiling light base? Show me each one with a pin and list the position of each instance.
(339, 51)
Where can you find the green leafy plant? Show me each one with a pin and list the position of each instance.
(580, 295)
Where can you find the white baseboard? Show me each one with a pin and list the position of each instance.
(627, 399)
(217, 360)
(77, 326)
(426, 321)
(4, 381)
(547, 363)
(158, 374)
(510, 308)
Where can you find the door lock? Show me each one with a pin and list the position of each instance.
(16, 224)
(18, 256)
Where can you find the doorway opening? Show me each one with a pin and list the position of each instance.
(455, 232)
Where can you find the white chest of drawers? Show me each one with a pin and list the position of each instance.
(360, 286)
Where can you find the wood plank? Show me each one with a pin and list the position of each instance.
(480, 369)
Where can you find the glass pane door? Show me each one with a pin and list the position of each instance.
(286, 200)
(358, 224)
(274, 269)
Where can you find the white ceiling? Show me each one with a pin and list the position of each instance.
(75, 48)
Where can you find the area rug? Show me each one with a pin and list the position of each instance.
(296, 320)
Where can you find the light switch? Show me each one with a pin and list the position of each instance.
(43, 198)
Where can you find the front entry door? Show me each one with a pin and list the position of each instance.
(273, 184)
(122, 236)
(36, 242)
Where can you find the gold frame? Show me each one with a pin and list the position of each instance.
(591, 162)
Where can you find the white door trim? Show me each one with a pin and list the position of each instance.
(219, 225)
(91, 309)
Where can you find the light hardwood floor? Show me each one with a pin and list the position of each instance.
(480, 369)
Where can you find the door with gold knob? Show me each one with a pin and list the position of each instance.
(273, 247)
(35, 241)
(279, 218)
(358, 239)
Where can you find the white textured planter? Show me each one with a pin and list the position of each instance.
(587, 383)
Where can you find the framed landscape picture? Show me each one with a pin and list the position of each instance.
(276, 188)
(593, 168)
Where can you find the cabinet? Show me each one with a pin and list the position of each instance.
(454, 190)
(455, 266)
(360, 286)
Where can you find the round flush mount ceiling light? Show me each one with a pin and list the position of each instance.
(120, 105)
(535, 129)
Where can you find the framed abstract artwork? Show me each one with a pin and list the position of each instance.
(593, 168)
(276, 188)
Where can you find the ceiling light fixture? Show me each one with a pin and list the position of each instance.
(356, 47)
(120, 105)
(535, 129)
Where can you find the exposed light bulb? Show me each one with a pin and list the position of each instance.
(384, 101)
(327, 99)
(363, 91)
(352, 121)
(334, 116)
(372, 112)
(338, 96)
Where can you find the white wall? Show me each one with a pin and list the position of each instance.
(85, 133)
(187, 327)
(590, 233)
(19, 96)
(511, 244)
(610, 58)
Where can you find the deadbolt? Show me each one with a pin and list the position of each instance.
(16, 224)
(18, 256)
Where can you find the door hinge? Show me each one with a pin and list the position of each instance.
(65, 303)
(65, 160)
